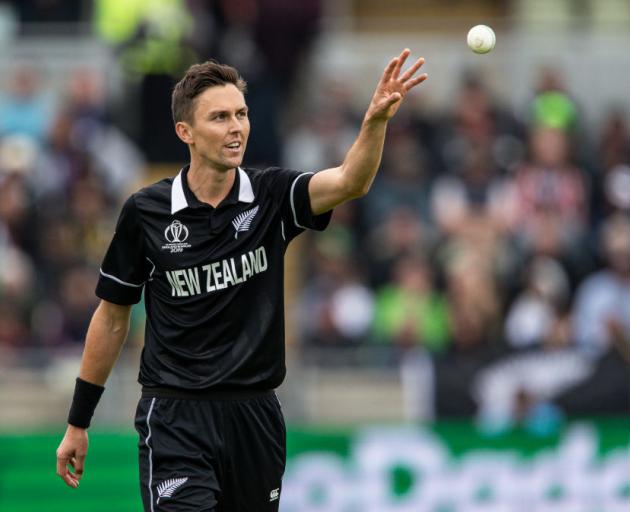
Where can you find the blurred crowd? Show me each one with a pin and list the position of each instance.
(495, 242)
(63, 168)
(71, 152)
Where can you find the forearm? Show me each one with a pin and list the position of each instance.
(364, 157)
(355, 175)
(104, 340)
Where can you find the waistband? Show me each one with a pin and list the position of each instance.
(206, 394)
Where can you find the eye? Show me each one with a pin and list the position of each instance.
(242, 114)
(219, 116)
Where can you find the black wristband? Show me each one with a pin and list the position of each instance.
(84, 402)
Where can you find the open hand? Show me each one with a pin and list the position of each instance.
(393, 87)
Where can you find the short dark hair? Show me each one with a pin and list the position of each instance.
(197, 79)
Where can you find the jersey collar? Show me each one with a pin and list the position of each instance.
(178, 196)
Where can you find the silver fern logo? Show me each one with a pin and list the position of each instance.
(242, 221)
(168, 487)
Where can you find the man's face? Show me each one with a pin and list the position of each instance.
(220, 127)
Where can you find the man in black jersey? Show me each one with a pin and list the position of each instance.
(207, 247)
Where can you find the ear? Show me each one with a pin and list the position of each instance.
(184, 132)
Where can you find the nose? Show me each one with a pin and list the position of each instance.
(236, 125)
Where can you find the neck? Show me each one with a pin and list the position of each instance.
(210, 185)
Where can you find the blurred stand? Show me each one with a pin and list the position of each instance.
(486, 273)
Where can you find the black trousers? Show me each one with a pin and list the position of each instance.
(224, 453)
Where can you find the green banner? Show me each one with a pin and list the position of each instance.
(448, 467)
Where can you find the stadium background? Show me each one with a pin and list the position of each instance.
(458, 339)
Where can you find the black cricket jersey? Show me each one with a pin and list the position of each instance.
(213, 278)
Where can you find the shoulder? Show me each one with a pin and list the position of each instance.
(156, 191)
(154, 196)
(272, 174)
(272, 180)
(262, 176)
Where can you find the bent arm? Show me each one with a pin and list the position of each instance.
(105, 337)
(353, 178)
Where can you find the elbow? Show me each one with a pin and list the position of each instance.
(355, 190)
(359, 191)
(115, 318)
(119, 328)
(350, 194)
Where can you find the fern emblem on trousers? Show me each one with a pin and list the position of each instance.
(168, 487)
(242, 221)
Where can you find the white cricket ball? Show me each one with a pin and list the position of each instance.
(481, 39)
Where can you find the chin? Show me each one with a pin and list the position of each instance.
(234, 162)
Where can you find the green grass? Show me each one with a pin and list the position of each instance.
(28, 482)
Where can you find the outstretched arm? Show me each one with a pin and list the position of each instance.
(353, 177)
(105, 337)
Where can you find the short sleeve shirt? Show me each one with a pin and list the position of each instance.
(213, 278)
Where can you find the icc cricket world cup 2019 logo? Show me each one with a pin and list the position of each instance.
(176, 232)
(176, 235)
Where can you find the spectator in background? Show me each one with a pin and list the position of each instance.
(478, 122)
(18, 231)
(150, 38)
(400, 233)
(614, 142)
(517, 389)
(601, 327)
(540, 310)
(63, 162)
(77, 302)
(474, 301)
(320, 142)
(601, 316)
(18, 223)
(403, 182)
(552, 106)
(475, 190)
(91, 209)
(552, 202)
(335, 306)
(612, 184)
(114, 156)
(409, 312)
(475, 330)
(26, 108)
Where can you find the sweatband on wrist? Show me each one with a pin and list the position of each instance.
(84, 402)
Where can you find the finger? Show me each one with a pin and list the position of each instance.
(79, 466)
(66, 475)
(62, 463)
(412, 70)
(393, 98)
(418, 80)
(389, 69)
(400, 61)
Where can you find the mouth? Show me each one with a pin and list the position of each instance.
(234, 147)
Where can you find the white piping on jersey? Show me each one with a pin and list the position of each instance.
(282, 227)
(146, 442)
(295, 220)
(152, 270)
(178, 198)
(120, 281)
